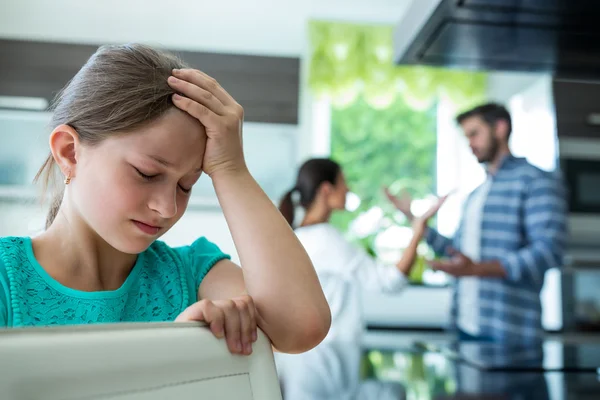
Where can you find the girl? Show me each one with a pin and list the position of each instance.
(133, 131)
(343, 269)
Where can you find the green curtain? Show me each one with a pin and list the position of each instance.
(349, 61)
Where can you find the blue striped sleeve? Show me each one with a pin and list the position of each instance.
(545, 230)
(438, 242)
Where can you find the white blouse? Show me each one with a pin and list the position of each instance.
(344, 271)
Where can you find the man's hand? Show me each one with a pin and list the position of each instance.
(457, 265)
(460, 265)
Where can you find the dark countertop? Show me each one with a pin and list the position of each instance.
(345, 371)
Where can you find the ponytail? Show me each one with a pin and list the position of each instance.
(286, 207)
(311, 176)
(47, 174)
(54, 207)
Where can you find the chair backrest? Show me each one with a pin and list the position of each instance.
(132, 361)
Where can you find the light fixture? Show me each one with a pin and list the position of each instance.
(593, 119)
(23, 103)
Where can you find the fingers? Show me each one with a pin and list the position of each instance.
(405, 196)
(433, 263)
(195, 312)
(247, 324)
(452, 251)
(402, 203)
(216, 319)
(233, 319)
(253, 317)
(204, 99)
(198, 94)
(391, 197)
(437, 265)
(196, 110)
(205, 82)
(434, 208)
(387, 192)
(205, 311)
(440, 201)
(233, 328)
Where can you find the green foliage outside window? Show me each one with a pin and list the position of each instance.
(393, 147)
(384, 117)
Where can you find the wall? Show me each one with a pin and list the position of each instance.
(274, 28)
(263, 27)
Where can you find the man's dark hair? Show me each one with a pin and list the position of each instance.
(490, 113)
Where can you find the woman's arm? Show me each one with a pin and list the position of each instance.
(409, 254)
(419, 227)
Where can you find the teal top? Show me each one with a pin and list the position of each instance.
(163, 282)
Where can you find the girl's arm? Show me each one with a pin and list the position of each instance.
(277, 273)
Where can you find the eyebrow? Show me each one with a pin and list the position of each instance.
(166, 163)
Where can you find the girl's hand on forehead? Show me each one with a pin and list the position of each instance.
(204, 99)
(234, 319)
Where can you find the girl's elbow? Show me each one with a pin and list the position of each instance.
(309, 332)
(307, 337)
(319, 328)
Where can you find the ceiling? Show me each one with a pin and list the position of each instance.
(266, 27)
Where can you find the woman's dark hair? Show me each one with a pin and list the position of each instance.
(311, 175)
(118, 90)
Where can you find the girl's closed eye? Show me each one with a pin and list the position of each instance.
(185, 190)
(147, 177)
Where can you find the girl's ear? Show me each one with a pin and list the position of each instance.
(64, 141)
(325, 188)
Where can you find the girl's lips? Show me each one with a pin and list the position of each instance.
(146, 228)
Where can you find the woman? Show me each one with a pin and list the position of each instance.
(344, 270)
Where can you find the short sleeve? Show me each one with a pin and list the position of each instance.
(200, 257)
(4, 296)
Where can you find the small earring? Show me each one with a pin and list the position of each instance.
(68, 179)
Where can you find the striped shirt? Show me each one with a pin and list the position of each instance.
(523, 226)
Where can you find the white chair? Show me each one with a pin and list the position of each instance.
(132, 361)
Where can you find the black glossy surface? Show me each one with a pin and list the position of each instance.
(549, 356)
(556, 36)
(344, 371)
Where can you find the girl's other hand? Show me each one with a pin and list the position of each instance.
(234, 319)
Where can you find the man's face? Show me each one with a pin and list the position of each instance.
(483, 138)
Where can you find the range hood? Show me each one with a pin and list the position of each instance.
(561, 37)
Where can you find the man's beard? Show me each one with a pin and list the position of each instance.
(491, 152)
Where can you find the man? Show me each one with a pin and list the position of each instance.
(512, 231)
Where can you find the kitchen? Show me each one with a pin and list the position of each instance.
(548, 72)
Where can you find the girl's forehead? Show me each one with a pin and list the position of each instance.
(174, 130)
(174, 140)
